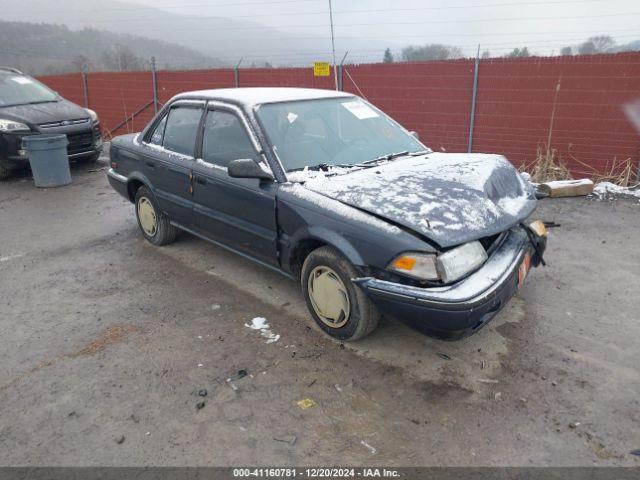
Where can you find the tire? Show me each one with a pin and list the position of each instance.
(93, 158)
(4, 172)
(154, 224)
(339, 307)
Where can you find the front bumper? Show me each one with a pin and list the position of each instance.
(82, 143)
(458, 310)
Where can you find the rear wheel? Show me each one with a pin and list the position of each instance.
(339, 307)
(93, 158)
(154, 224)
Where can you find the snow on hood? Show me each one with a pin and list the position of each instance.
(451, 198)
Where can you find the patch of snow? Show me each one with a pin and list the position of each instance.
(11, 257)
(260, 323)
(432, 192)
(200, 161)
(371, 449)
(346, 211)
(566, 183)
(159, 148)
(604, 190)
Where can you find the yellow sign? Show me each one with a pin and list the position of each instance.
(321, 69)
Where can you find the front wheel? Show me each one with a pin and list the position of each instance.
(339, 307)
(153, 223)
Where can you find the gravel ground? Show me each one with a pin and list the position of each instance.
(106, 341)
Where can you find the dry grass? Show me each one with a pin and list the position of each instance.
(617, 171)
(549, 166)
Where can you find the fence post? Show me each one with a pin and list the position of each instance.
(154, 81)
(473, 101)
(341, 72)
(85, 86)
(236, 73)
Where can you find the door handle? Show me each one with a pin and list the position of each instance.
(151, 164)
(201, 181)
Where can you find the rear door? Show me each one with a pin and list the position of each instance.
(238, 212)
(169, 159)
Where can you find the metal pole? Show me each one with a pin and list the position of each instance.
(473, 101)
(85, 86)
(155, 84)
(341, 72)
(236, 73)
(333, 46)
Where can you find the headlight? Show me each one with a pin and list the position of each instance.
(93, 115)
(417, 265)
(448, 266)
(456, 263)
(12, 126)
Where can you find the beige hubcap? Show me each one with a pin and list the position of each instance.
(329, 297)
(147, 216)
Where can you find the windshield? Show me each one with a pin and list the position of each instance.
(334, 131)
(21, 90)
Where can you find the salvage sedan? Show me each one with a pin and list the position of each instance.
(327, 189)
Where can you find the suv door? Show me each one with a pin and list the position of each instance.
(169, 159)
(237, 212)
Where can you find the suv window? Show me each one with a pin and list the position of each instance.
(225, 139)
(20, 90)
(181, 130)
(158, 133)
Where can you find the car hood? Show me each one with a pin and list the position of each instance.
(450, 198)
(44, 112)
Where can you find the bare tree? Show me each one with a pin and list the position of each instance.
(486, 54)
(597, 44)
(566, 51)
(122, 59)
(433, 51)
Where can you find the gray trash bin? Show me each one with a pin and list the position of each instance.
(48, 159)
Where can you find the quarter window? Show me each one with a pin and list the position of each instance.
(181, 130)
(158, 132)
(225, 139)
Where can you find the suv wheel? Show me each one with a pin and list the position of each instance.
(339, 307)
(153, 223)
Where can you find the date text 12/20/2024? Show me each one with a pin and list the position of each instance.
(315, 473)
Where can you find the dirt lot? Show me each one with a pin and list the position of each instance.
(106, 340)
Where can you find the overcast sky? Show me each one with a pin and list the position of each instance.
(498, 25)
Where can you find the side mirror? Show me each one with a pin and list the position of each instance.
(414, 135)
(247, 168)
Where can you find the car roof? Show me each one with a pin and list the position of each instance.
(252, 96)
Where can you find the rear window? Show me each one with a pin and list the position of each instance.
(181, 130)
(21, 90)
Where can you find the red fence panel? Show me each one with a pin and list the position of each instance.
(171, 83)
(517, 98)
(516, 101)
(284, 77)
(68, 85)
(432, 98)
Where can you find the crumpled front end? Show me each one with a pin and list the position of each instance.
(457, 310)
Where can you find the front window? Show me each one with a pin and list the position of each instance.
(20, 90)
(225, 139)
(335, 131)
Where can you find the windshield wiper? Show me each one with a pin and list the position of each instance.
(41, 101)
(388, 157)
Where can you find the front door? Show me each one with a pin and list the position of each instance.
(169, 160)
(237, 212)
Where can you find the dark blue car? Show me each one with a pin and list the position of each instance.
(327, 189)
